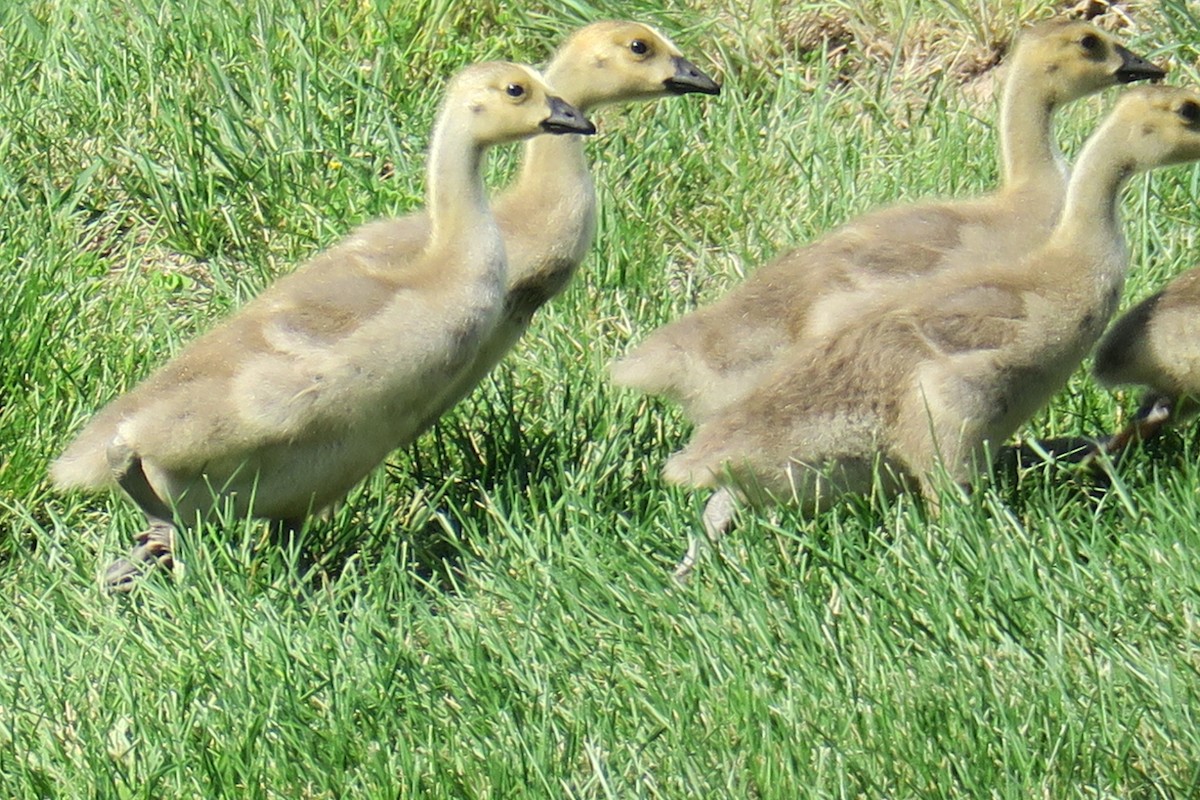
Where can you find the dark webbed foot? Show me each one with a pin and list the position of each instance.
(1155, 412)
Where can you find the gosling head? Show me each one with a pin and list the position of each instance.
(1155, 126)
(503, 102)
(612, 61)
(1072, 59)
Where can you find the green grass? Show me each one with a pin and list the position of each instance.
(499, 622)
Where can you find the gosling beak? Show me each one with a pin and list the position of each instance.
(1135, 68)
(688, 78)
(566, 118)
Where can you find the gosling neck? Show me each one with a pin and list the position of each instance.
(456, 198)
(1090, 217)
(1029, 156)
(558, 159)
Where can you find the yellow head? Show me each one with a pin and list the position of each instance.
(614, 61)
(1070, 59)
(497, 102)
(1155, 126)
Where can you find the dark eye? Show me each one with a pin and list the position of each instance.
(638, 47)
(1190, 111)
(515, 90)
(1090, 42)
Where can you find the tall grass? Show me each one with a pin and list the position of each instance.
(497, 619)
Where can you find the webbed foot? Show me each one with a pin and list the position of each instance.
(154, 549)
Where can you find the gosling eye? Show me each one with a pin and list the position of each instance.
(1190, 111)
(1090, 42)
(638, 47)
(515, 90)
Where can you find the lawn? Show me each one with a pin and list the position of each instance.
(497, 618)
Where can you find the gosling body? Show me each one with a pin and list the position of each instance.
(710, 357)
(939, 374)
(285, 406)
(1156, 344)
(548, 216)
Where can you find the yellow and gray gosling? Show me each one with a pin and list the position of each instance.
(939, 374)
(548, 216)
(289, 403)
(1156, 344)
(712, 356)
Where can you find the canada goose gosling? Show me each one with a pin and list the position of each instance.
(940, 374)
(1155, 344)
(548, 217)
(285, 406)
(710, 356)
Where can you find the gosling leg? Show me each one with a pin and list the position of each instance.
(1155, 412)
(717, 520)
(154, 546)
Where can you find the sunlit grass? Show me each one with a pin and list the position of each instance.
(495, 617)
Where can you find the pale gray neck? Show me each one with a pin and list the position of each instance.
(551, 160)
(456, 201)
(557, 160)
(1028, 152)
(1091, 217)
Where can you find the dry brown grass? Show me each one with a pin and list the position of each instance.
(841, 43)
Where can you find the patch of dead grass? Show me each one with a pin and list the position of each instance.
(845, 44)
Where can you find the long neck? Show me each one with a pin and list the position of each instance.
(557, 159)
(456, 198)
(1090, 217)
(1028, 152)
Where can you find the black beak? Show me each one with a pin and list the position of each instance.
(566, 118)
(1135, 68)
(688, 78)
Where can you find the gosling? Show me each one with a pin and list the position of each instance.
(937, 375)
(1155, 345)
(285, 406)
(708, 358)
(548, 216)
